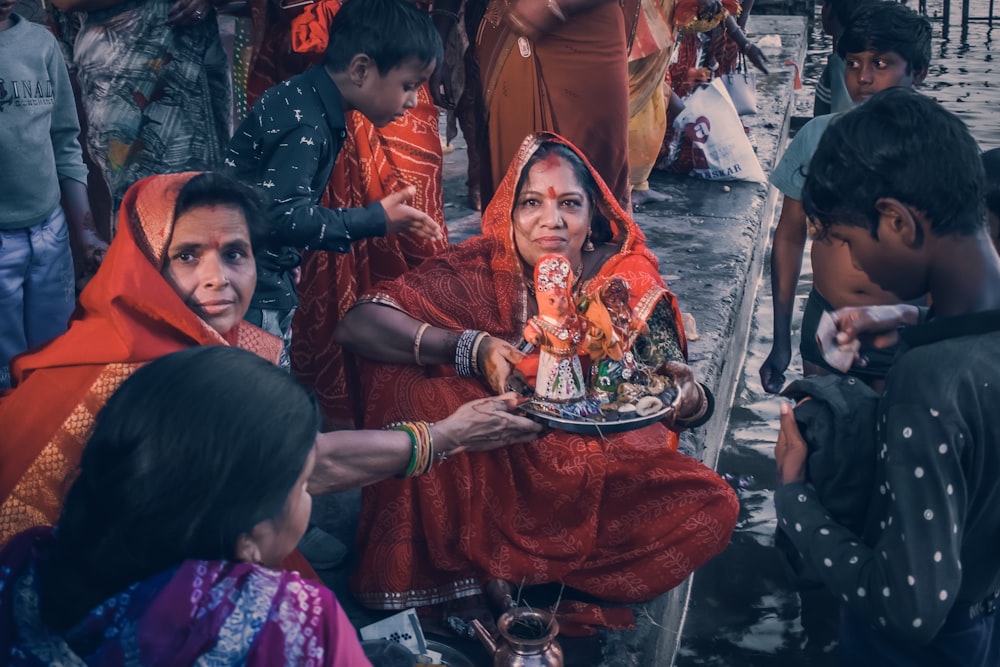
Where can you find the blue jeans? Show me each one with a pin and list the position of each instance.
(37, 288)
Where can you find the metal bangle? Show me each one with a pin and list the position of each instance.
(474, 355)
(416, 343)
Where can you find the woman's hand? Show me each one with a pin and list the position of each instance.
(692, 399)
(791, 451)
(496, 360)
(441, 89)
(534, 18)
(756, 57)
(482, 425)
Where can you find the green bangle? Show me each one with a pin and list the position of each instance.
(413, 447)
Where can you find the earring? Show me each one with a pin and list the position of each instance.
(588, 245)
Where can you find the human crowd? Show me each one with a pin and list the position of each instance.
(225, 294)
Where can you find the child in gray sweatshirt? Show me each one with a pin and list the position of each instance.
(41, 163)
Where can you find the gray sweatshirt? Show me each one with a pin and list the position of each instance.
(39, 130)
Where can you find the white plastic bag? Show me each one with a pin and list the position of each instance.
(720, 147)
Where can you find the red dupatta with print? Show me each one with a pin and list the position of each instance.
(128, 315)
(623, 518)
(373, 163)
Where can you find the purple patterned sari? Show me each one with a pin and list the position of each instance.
(203, 612)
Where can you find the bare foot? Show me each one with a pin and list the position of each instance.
(690, 326)
(642, 197)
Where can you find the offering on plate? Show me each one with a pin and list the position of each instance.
(602, 328)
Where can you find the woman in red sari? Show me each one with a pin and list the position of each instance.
(622, 518)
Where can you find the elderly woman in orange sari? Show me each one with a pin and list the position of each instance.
(179, 274)
(147, 300)
(622, 518)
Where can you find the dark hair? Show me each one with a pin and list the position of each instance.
(842, 10)
(888, 26)
(387, 31)
(215, 189)
(192, 451)
(898, 144)
(601, 230)
(991, 166)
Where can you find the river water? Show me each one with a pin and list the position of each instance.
(743, 612)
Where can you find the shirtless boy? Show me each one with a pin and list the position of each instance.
(886, 45)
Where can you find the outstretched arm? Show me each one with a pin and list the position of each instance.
(349, 459)
(786, 265)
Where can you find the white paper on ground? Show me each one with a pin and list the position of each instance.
(403, 628)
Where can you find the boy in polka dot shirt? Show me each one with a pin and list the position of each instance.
(899, 181)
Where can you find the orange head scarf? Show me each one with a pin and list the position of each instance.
(128, 315)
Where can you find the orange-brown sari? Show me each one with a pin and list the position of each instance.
(128, 315)
(372, 163)
(622, 518)
(573, 81)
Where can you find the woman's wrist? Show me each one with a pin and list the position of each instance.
(702, 413)
(467, 352)
(445, 442)
(424, 451)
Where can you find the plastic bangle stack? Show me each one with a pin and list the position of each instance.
(464, 359)
(422, 444)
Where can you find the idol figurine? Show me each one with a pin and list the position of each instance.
(613, 330)
(559, 331)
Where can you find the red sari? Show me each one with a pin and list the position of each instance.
(624, 518)
(373, 163)
(128, 315)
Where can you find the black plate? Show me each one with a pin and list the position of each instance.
(593, 427)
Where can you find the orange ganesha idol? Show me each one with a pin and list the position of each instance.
(559, 332)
